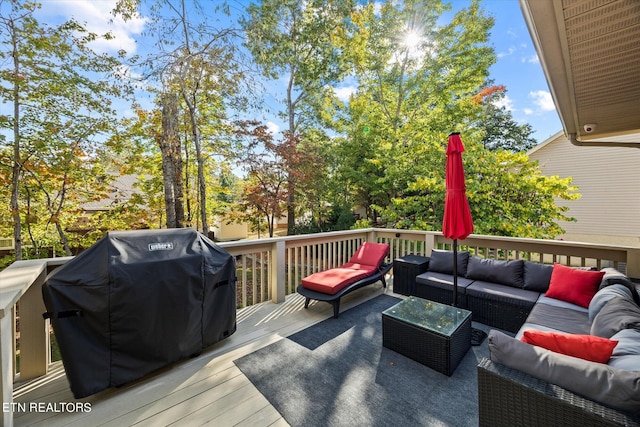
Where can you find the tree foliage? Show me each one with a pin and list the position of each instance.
(415, 78)
(61, 92)
(294, 39)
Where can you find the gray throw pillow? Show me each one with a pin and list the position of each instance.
(537, 276)
(604, 295)
(626, 354)
(509, 273)
(612, 387)
(612, 276)
(616, 315)
(442, 262)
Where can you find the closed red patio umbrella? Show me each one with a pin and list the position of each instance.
(457, 222)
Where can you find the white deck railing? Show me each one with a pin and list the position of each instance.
(270, 269)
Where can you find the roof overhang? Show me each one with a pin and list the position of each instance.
(590, 55)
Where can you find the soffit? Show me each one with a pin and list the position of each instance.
(590, 54)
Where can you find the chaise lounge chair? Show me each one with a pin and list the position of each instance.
(364, 268)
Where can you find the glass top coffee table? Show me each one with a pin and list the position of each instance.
(434, 334)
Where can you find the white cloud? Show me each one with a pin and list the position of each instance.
(528, 111)
(533, 59)
(96, 16)
(343, 93)
(505, 102)
(509, 52)
(543, 100)
(273, 128)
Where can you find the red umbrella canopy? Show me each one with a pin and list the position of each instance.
(457, 222)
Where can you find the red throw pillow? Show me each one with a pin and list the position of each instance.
(587, 347)
(574, 285)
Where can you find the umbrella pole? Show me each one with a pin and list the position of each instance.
(455, 272)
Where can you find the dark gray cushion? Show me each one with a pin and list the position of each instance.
(442, 262)
(509, 273)
(614, 277)
(537, 276)
(442, 281)
(617, 314)
(626, 354)
(502, 294)
(610, 386)
(606, 294)
(559, 318)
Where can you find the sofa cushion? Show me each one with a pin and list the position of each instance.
(442, 281)
(560, 319)
(562, 304)
(612, 387)
(617, 314)
(604, 295)
(537, 276)
(574, 285)
(442, 262)
(587, 347)
(626, 355)
(508, 273)
(502, 294)
(613, 276)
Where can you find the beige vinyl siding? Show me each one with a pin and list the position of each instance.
(608, 178)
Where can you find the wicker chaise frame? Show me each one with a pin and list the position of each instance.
(334, 299)
(509, 397)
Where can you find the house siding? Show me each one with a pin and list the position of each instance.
(608, 179)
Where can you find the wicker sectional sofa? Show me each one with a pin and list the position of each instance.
(499, 293)
(524, 384)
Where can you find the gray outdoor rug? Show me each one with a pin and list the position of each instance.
(336, 373)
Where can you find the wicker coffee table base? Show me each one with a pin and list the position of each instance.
(438, 352)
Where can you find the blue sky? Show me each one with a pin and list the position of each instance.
(517, 67)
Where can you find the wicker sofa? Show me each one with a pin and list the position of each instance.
(523, 384)
(499, 293)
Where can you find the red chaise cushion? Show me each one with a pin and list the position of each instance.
(363, 263)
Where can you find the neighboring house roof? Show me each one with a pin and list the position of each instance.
(607, 179)
(120, 191)
(589, 52)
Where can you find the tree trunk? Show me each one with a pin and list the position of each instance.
(291, 187)
(17, 167)
(63, 240)
(166, 143)
(202, 185)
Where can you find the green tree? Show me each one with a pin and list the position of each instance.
(61, 92)
(501, 130)
(198, 60)
(417, 79)
(508, 195)
(294, 39)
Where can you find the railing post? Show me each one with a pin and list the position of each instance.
(6, 365)
(430, 243)
(278, 272)
(633, 263)
(372, 235)
(34, 336)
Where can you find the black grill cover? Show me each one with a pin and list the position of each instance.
(137, 301)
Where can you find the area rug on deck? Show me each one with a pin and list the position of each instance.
(336, 373)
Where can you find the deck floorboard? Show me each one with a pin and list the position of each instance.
(208, 389)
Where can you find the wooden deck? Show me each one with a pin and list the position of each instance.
(208, 389)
